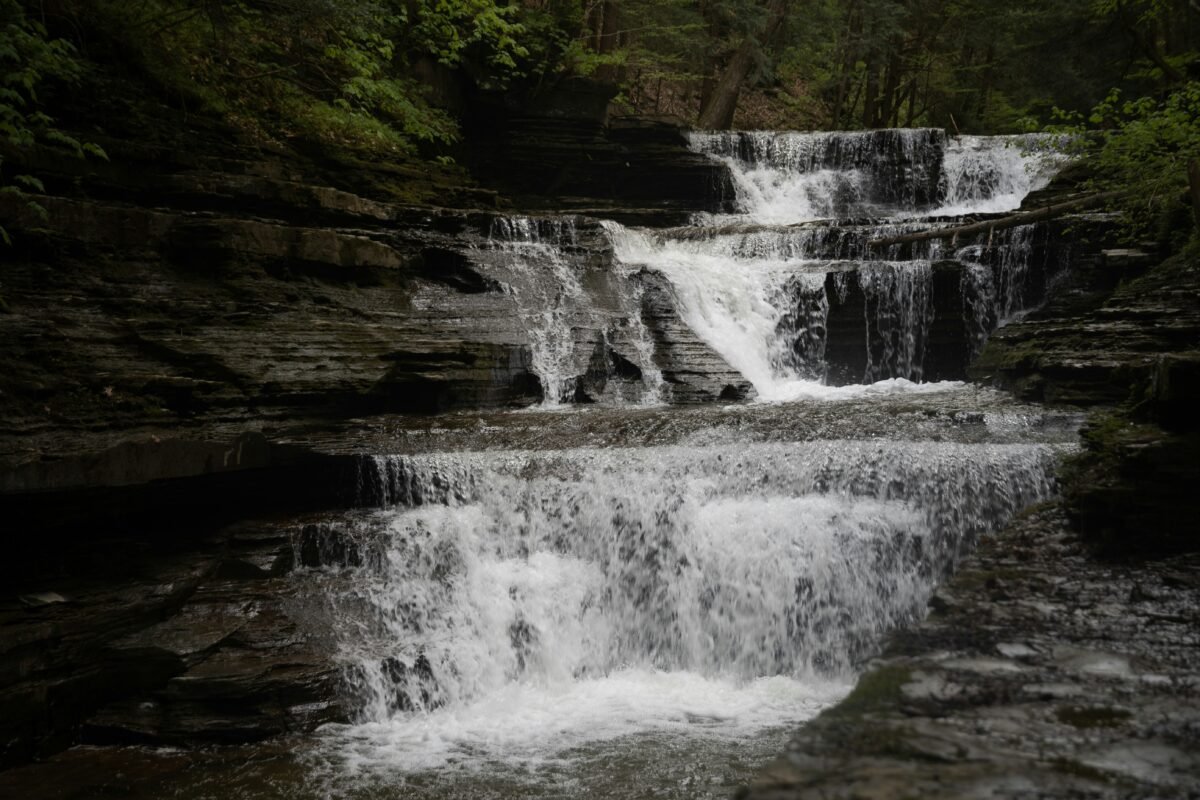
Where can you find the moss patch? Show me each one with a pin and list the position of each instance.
(1099, 717)
(877, 690)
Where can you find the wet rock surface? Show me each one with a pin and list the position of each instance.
(1041, 671)
(1104, 334)
(1125, 334)
(125, 642)
(254, 299)
(201, 327)
(188, 633)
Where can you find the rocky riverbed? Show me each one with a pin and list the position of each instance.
(1040, 671)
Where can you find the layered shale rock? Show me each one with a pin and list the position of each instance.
(1039, 671)
(1104, 334)
(192, 639)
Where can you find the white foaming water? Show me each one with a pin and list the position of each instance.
(898, 310)
(527, 724)
(733, 305)
(758, 292)
(784, 177)
(538, 265)
(548, 292)
(992, 174)
(766, 314)
(535, 603)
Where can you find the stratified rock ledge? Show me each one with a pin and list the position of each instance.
(1040, 672)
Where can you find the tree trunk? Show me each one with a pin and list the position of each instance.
(717, 114)
(1011, 221)
(1148, 43)
(849, 48)
(1194, 185)
(890, 101)
(711, 56)
(911, 110)
(722, 103)
(608, 39)
(871, 92)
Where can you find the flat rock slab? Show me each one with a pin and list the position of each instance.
(1041, 672)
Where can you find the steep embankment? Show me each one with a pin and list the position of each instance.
(1134, 348)
(1041, 670)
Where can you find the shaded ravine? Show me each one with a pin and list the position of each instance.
(600, 602)
(513, 616)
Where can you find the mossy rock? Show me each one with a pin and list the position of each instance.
(1095, 717)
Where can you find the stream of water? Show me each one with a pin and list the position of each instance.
(635, 599)
(615, 616)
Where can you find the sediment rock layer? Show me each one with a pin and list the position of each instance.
(1040, 670)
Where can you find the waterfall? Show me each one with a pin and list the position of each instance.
(755, 287)
(750, 284)
(548, 293)
(582, 327)
(898, 314)
(738, 582)
(988, 174)
(543, 615)
(786, 177)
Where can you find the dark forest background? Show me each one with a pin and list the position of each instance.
(394, 78)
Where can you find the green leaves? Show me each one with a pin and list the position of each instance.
(341, 72)
(448, 29)
(28, 58)
(1143, 146)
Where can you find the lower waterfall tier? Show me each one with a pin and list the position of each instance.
(510, 607)
(539, 603)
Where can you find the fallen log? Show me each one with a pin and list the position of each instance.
(1011, 221)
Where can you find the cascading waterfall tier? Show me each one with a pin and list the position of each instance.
(586, 336)
(492, 579)
(785, 177)
(789, 294)
(573, 620)
(846, 174)
(992, 174)
(751, 285)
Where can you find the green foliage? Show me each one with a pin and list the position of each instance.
(988, 66)
(448, 28)
(377, 77)
(337, 73)
(1141, 147)
(28, 58)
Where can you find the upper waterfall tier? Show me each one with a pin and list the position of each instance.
(790, 176)
(780, 301)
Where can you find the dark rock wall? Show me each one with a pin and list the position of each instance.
(556, 148)
(180, 331)
(1124, 334)
(198, 636)
(130, 314)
